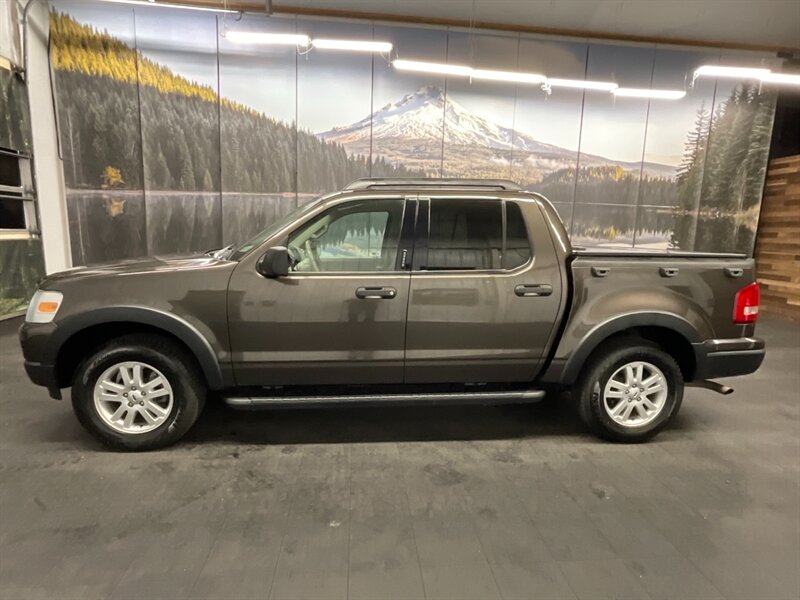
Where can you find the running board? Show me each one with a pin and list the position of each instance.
(500, 397)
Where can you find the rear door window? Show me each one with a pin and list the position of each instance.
(465, 235)
(518, 248)
(471, 235)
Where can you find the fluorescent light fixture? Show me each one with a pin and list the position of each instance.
(168, 5)
(510, 76)
(782, 78)
(731, 72)
(262, 37)
(355, 45)
(645, 93)
(427, 67)
(581, 84)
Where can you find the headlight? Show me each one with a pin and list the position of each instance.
(44, 306)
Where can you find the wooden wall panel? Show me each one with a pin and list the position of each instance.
(778, 240)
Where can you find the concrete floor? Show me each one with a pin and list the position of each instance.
(467, 502)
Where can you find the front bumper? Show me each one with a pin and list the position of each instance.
(44, 375)
(728, 358)
(34, 338)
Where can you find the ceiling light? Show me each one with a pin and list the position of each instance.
(261, 37)
(426, 67)
(167, 5)
(730, 72)
(782, 78)
(644, 93)
(605, 86)
(355, 45)
(511, 76)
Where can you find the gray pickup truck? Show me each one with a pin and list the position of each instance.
(402, 291)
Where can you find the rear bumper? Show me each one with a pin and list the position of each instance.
(728, 358)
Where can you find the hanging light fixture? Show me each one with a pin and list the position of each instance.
(354, 45)
(645, 93)
(428, 67)
(582, 84)
(722, 71)
(509, 76)
(782, 78)
(168, 5)
(272, 39)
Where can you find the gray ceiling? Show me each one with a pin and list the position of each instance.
(773, 23)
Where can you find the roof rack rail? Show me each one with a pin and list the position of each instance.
(371, 183)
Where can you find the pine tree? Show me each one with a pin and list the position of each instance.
(695, 144)
(160, 173)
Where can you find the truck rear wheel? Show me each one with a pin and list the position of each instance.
(138, 392)
(629, 391)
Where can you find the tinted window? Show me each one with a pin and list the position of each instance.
(12, 214)
(465, 234)
(358, 236)
(518, 249)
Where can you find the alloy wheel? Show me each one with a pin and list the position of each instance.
(133, 397)
(635, 394)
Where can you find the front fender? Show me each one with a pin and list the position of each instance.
(170, 323)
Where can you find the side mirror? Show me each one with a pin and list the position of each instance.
(274, 263)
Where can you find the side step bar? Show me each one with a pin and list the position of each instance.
(500, 397)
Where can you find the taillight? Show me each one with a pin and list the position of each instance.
(745, 305)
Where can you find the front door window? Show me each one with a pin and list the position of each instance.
(358, 236)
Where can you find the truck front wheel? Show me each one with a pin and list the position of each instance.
(629, 391)
(138, 392)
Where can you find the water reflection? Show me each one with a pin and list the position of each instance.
(109, 225)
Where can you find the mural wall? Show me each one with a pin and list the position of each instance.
(176, 139)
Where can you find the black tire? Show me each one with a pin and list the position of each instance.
(602, 366)
(176, 365)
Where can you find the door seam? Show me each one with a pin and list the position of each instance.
(410, 275)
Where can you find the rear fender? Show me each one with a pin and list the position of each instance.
(567, 372)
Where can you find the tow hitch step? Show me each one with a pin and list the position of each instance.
(481, 397)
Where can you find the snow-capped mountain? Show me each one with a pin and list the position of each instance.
(420, 116)
(409, 131)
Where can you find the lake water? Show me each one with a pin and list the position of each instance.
(108, 225)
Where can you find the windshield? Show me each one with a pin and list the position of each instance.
(273, 228)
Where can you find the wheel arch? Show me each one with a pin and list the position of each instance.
(672, 333)
(77, 334)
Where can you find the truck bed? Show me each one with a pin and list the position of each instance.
(700, 287)
(652, 253)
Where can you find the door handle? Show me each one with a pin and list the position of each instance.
(533, 289)
(376, 293)
(668, 271)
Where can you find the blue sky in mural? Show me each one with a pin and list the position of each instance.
(261, 77)
(116, 19)
(334, 88)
